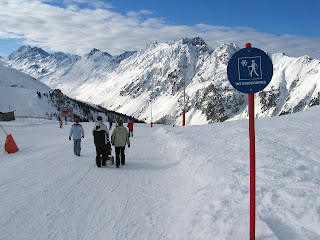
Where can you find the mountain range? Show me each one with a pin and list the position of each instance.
(157, 82)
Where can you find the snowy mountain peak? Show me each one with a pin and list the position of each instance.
(305, 59)
(149, 46)
(27, 52)
(197, 43)
(94, 50)
(123, 56)
(228, 48)
(60, 56)
(96, 53)
(193, 41)
(225, 51)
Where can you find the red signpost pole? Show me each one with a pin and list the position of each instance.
(252, 167)
(252, 163)
(244, 68)
(183, 117)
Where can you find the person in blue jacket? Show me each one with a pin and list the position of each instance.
(77, 132)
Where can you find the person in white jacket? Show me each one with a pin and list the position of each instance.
(76, 132)
(119, 138)
(101, 137)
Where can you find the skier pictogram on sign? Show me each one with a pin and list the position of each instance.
(249, 68)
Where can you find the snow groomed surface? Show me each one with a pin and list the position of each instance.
(185, 183)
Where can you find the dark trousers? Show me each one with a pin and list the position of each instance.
(120, 151)
(77, 146)
(131, 132)
(101, 150)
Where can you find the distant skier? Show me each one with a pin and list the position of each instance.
(119, 138)
(77, 132)
(110, 122)
(101, 138)
(61, 123)
(130, 127)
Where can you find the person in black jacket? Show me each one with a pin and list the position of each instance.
(110, 122)
(101, 137)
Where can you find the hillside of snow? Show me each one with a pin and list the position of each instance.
(18, 92)
(181, 183)
(27, 96)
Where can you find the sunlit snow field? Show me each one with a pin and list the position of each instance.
(181, 183)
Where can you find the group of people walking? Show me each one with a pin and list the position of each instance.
(120, 138)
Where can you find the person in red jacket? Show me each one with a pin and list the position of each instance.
(130, 127)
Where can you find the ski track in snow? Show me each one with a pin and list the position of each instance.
(177, 183)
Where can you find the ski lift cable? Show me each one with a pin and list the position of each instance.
(4, 130)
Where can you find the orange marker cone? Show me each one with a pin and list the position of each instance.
(10, 145)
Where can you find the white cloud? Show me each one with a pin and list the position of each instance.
(77, 30)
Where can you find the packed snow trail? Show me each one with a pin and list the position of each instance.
(179, 183)
(71, 198)
(62, 196)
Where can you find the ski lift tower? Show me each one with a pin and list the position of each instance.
(151, 99)
(184, 67)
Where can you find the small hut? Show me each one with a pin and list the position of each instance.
(7, 116)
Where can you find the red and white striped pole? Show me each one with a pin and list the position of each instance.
(252, 163)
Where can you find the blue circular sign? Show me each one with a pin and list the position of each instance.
(250, 70)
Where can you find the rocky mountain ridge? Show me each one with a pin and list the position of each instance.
(157, 82)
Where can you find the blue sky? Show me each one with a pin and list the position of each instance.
(77, 26)
(278, 17)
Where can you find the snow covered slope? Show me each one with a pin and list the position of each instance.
(181, 183)
(151, 82)
(18, 92)
(29, 97)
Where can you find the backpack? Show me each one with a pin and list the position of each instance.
(99, 138)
